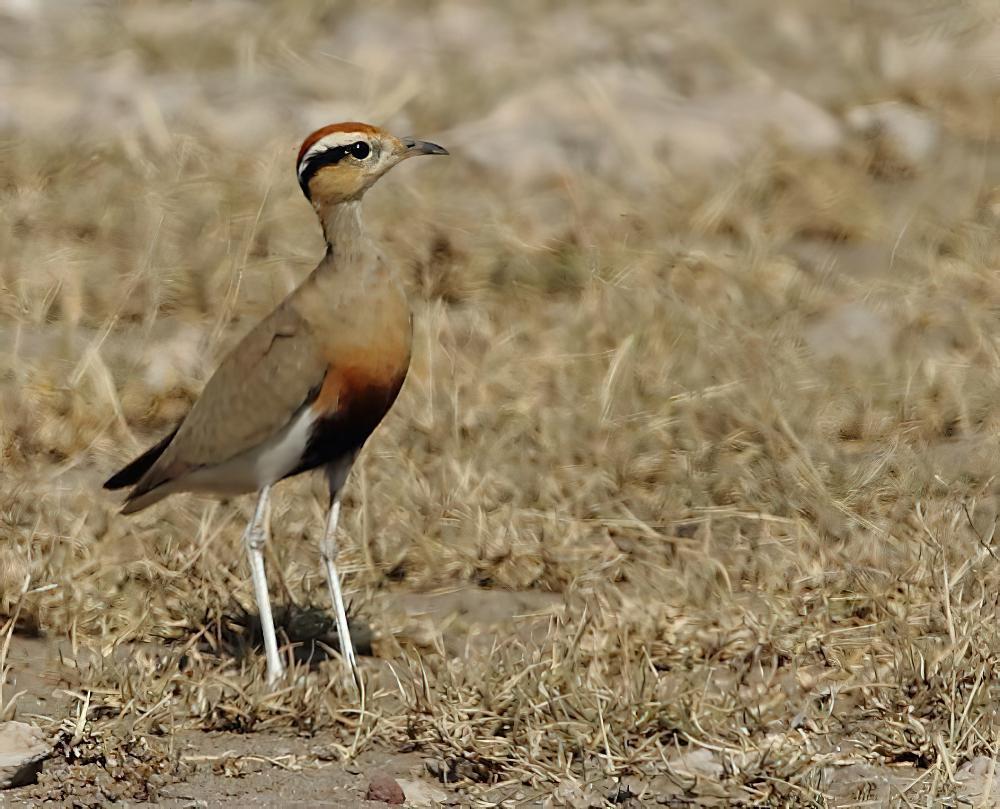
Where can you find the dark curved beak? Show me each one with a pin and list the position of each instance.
(415, 147)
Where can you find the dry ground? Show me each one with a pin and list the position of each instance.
(691, 493)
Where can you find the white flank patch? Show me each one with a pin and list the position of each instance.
(258, 467)
(281, 454)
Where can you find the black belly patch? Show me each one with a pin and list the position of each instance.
(344, 432)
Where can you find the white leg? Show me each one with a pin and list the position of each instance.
(254, 539)
(328, 549)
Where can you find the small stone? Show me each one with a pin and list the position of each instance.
(421, 794)
(436, 767)
(385, 788)
(22, 750)
(979, 781)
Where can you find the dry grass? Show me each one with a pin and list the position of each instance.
(738, 410)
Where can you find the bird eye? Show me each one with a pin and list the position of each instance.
(360, 150)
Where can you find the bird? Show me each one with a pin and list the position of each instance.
(306, 387)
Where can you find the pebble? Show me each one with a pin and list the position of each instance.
(22, 749)
(385, 788)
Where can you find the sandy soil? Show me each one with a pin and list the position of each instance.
(272, 769)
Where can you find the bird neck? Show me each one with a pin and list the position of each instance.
(344, 230)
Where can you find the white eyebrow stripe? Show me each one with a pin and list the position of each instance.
(331, 141)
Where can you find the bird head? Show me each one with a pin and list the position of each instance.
(341, 161)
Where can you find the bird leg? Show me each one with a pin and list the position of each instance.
(328, 549)
(254, 538)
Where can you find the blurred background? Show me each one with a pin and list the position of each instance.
(705, 381)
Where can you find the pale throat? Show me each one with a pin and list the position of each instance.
(349, 248)
(344, 230)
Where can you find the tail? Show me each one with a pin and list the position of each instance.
(138, 500)
(132, 474)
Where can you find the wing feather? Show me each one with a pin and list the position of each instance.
(256, 391)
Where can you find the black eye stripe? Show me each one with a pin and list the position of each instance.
(330, 157)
